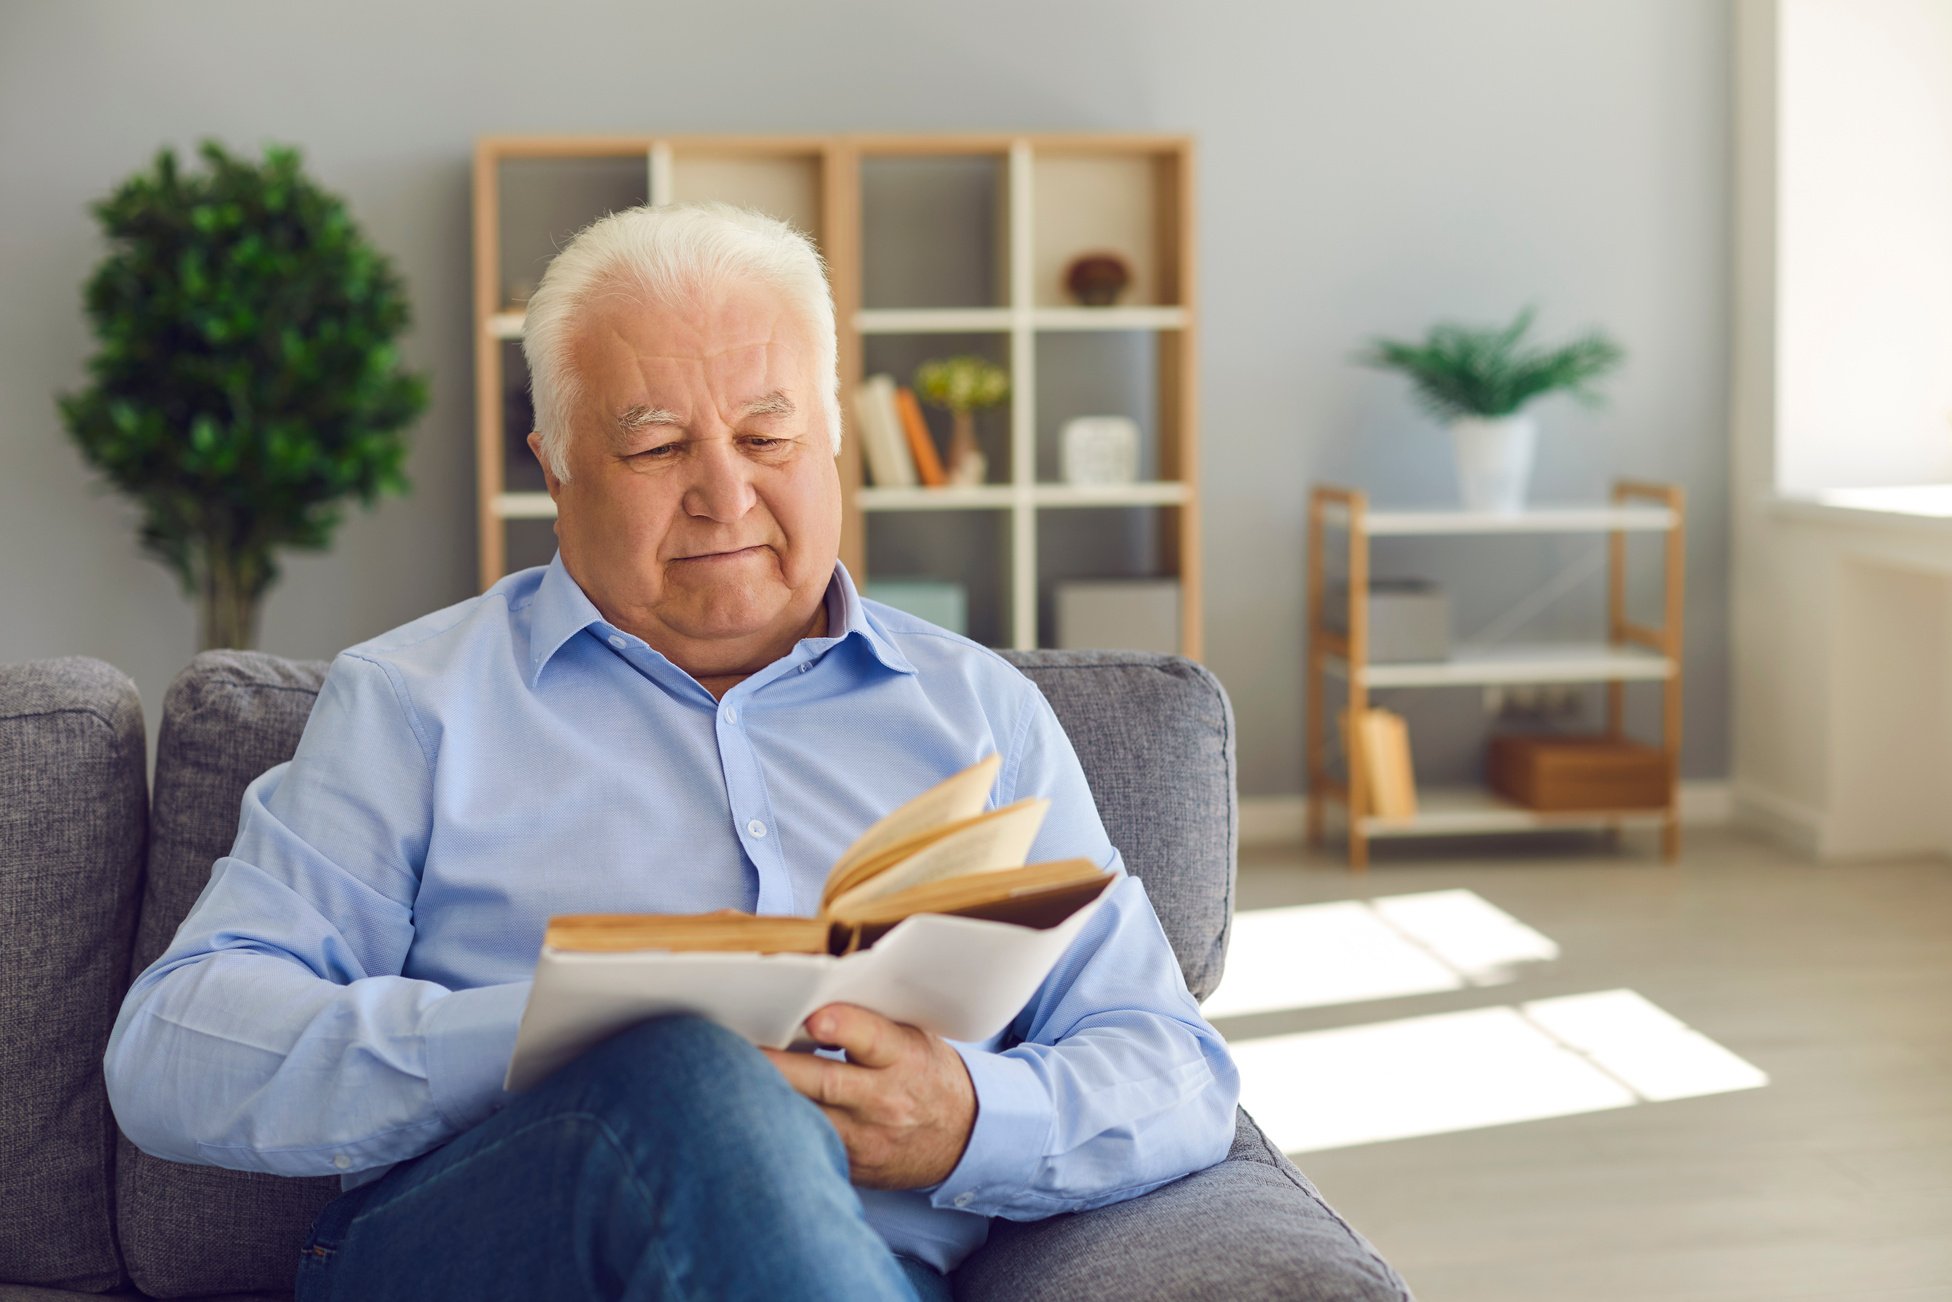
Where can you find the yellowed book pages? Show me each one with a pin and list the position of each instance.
(752, 933)
(998, 839)
(950, 801)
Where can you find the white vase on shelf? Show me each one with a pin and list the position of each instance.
(1494, 461)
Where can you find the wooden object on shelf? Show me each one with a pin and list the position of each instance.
(1557, 772)
(1634, 652)
(1383, 743)
(1055, 197)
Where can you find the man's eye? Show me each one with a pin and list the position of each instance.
(763, 443)
(662, 450)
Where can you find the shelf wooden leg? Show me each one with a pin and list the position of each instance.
(1358, 849)
(1671, 838)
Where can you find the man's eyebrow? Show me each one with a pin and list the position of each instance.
(775, 403)
(641, 416)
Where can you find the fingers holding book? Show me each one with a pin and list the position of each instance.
(902, 1103)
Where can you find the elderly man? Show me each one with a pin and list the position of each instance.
(690, 708)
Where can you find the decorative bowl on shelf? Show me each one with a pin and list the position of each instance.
(1097, 279)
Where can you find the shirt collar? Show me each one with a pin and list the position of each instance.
(561, 610)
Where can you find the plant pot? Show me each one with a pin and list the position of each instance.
(1494, 461)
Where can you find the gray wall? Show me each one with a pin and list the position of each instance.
(1366, 166)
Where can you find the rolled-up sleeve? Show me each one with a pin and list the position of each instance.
(1110, 1083)
(276, 1032)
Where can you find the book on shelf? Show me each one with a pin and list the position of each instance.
(932, 917)
(921, 444)
(1383, 742)
(883, 444)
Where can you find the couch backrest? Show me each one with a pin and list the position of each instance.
(72, 802)
(1153, 733)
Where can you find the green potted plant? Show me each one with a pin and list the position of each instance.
(248, 378)
(963, 386)
(1477, 380)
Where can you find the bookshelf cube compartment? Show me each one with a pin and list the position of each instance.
(1100, 543)
(967, 548)
(782, 185)
(935, 231)
(898, 355)
(1124, 202)
(1094, 373)
(544, 201)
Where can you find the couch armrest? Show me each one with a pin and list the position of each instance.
(1250, 1227)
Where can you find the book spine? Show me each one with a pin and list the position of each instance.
(882, 442)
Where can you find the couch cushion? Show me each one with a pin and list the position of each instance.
(1155, 736)
(72, 802)
(190, 1230)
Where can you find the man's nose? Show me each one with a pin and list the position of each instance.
(721, 484)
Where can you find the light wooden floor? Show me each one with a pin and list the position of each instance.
(1832, 1182)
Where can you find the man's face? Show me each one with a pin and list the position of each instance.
(702, 512)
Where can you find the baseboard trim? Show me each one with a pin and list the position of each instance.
(1791, 824)
(1282, 820)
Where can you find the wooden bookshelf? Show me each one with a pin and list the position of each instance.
(934, 244)
(1632, 652)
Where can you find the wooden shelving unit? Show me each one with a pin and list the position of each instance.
(934, 244)
(1633, 652)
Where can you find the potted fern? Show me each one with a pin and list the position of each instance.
(1477, 380)
(249, 378)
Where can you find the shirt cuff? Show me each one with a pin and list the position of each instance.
(1007, 1143)
(470, 1037)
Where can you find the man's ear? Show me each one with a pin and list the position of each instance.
(548, 474)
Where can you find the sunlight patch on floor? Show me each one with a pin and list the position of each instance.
(1315, 955)
(1447, 1072)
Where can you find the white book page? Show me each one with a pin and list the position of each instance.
(960, 978)
(950, 801)
(1001, 840)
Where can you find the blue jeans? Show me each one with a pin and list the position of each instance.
(671, 1161)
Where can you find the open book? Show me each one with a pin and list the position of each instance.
(931, 917)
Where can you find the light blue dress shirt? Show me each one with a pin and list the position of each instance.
(345, 992)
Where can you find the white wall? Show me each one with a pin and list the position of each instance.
(1366, 167)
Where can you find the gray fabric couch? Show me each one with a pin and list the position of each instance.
(95, 877)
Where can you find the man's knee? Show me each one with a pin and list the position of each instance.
(679, 1083)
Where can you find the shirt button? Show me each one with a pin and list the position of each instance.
(616, 642)
(731, 713)
(757, 828)
(964, 1199)
(341, 1161)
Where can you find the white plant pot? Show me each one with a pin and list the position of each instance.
(1494, 461)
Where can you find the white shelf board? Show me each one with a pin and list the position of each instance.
(1533, 519)
(1108, 318)
(506, 325)
(1472, 811)
(524, 506)
(932, 320)
(1153, 493)
(946, 498)
(1519, 663)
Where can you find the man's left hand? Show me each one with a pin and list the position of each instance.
(902, 1102)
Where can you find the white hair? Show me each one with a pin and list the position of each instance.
(671, 254)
